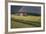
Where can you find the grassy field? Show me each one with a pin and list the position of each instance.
(25, 21)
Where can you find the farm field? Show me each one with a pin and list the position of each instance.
(25, 21)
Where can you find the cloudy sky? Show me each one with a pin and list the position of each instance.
(29, 9)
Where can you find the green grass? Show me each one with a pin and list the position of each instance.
(25, 21)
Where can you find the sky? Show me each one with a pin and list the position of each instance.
(29, 9)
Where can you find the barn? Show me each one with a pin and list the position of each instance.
(22, 12)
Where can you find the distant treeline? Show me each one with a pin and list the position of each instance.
(35, 14)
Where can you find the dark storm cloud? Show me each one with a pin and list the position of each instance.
(29, 9)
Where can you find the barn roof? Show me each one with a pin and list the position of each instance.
(22, 10)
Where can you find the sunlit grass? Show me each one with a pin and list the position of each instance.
(25, 21)
(29, 18)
